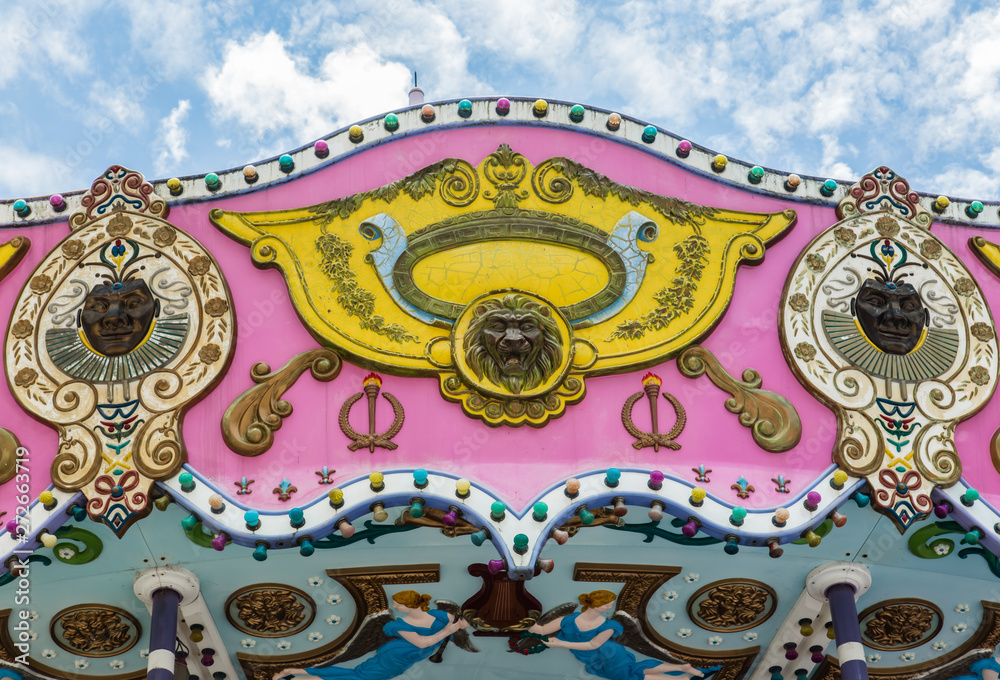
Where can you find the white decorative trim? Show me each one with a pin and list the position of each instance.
(851, 651)
(484, 113)
(161, 658)
(830, 574)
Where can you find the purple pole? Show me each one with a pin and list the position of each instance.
(163, 634)
(844, 613)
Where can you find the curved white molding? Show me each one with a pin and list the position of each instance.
(594, 123)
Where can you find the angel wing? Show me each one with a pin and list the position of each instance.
(957, 668)
(461, 637)
(556, 612)
(369, 637)
(634, 638)
(524, 644)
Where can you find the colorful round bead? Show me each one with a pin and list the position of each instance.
(212, 181)
(576, 113)
(22, 208)
(175, 187)
(391, 122)
(683, 148)
(250, 174)
(755, 175)
(321, 149)
(57, 202)
(503, 106)
(649, 134)
(540, 108)
(465, 108)
(286, 163)
(356, 134)
(829, 186)
(427, 113)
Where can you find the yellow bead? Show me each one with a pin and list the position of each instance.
(356, 133)
(462, 486)
(337, 496)
(720, 162)
(942, 202)
(839, 476)
(541, 107)
(376, 478)
(698, 494)
(173, 184)
(48, 540)
(46, 497)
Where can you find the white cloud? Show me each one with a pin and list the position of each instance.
(41, 39)
(264, 87)
(120, 104)
(172, 141)
(32, 174)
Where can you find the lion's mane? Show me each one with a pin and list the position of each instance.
(545, 357)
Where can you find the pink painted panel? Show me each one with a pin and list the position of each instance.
(517, 463)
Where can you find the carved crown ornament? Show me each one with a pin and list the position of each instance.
(881, 322)
(509, 282)
(120, 328)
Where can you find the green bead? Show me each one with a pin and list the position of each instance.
(391, 122)
(649, 134)
(21, 208)
(212, 181)
(498, 509)
(756, 174)
(465, 108)
(521, 541)
(576, 113)
(286, 163)
(189, 522)
(739, 513)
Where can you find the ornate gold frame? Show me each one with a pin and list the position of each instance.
(238, 625)
(100, 607)
(732, 581)
(901, 600)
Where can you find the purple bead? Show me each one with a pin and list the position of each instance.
(684, 148)
(12, 527)
(791, 654)
(321, 149)
(941, 511)
(690, 529)
(495, 566)
(57, 202)
(219, 542)
(451, 519)
(655, 480)
(817, 656)
(503, 106)
(812, 499)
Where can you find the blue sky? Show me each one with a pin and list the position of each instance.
(178, 87)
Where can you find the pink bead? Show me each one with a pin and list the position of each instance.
(321, 149)
(451, 518)
(503, 104)
(57, 202)
(690, 529)
(12, 527)
(494, 566)
(684, 147)
(219, 542)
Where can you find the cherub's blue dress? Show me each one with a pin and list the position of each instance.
(610, 660)
(989, 664)
(394, 657)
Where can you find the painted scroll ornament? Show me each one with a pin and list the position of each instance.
(412, 278)
(11, 253)
(121, 327)
(887, 327)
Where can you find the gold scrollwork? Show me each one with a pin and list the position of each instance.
(9, 455)
(506, 170)
(95, 630)
(249, 424)
(270, 610)
(900, 624)
(732, 605)
(772, 419)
